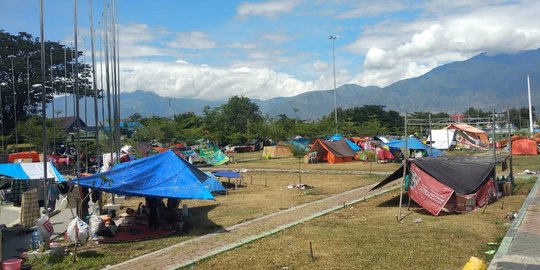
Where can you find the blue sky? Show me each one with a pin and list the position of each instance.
(264, 49)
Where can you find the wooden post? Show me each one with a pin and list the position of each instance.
(311, 251)
(265, 185)
(251, 181)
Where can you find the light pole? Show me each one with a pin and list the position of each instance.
(333, 38)
(52, 103)
(14, 103)
(2, 112)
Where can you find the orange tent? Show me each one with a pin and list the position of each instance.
(26, 155)
(332, 151)
(471, 131)
(524, 146)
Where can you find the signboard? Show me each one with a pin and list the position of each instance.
(429, 193)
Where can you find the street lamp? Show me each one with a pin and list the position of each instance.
(14, 103)
(2, 112)
(333, 38)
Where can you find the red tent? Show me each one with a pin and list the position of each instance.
(332, 151)
(524, 146)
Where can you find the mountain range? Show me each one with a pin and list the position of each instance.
(484, 81)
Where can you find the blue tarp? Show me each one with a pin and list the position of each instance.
(163, 175)
(228, 174)
(415, 144)
(213, 185)
(337, 137)
(30, 171)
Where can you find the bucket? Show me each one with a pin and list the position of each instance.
(12, 264)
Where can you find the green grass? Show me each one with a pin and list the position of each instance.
(367, 236)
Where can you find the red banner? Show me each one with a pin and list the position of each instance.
(427, 191)
(487, 192)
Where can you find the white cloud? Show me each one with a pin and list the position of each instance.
(320, 66)
(211, 83)
(419, 46)
(370, 8)
(193, 40)
(268, 9)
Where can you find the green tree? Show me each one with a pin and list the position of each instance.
(20, 48)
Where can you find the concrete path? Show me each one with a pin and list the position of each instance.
(520, 248)
(186, 253)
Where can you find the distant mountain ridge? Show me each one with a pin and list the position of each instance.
(483, 81)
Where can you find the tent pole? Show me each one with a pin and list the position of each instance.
(511, 175)
(494, 141)
(430, 138)
(404, 170)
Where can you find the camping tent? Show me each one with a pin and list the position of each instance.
(442, 138)
(30, 171)
(415, 144)
(163, 175)
(354, 147)
(332, 151)
(470, 135)
(437, 183)
(524, 146)
(276, 151)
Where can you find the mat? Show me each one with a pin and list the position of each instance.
(136, 233)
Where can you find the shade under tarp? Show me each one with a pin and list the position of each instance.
(30, 171)
(163, 175)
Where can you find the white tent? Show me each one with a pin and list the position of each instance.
(442, 138)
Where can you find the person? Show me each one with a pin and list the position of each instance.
(170, 214)
(152, 206)
(54, 195)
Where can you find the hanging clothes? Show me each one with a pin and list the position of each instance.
(29, 208)
(18, 187)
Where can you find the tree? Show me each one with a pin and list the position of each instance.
(20, 48)
(299, 152)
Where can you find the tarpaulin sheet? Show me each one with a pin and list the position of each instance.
(30, 171)
(431, 194)
(164, 175)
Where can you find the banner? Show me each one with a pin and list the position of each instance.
(486, 193)
(427, 191)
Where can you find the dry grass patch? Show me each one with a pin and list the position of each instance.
(367, 236)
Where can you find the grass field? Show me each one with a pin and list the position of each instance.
(367, 236)
(366, 230)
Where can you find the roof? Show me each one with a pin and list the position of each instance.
(162, 175)
(338, 148)
(414, 143)
(463, 176)
(465, 127)
(30, 171)
(67, 122)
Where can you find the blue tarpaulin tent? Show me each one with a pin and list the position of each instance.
(414, 144)
(30, 171)
(163, 175)
(212, 184)
(228, 174)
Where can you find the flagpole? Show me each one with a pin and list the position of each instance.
(530, 106)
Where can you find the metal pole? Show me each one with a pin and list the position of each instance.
(28, 81)
(2, 112)
(76, 89)
(65, 101)
(430, 138)
(494, 141)
(404, 172)
(511, 175)
(43, 107)
(333, 38)
(52, 103)
(531, 127)
(14, 106)
(94, 83)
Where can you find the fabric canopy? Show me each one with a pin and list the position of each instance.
(464, 177)
(212, 184)
(337, 137)
(442, 138)
(228, 174)
(163, 175)
(414, 143)
(30, 171)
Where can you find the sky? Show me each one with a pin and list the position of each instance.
(264, 49)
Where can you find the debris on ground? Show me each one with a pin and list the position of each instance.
(511, 216)
(417, 220)
(299, 186)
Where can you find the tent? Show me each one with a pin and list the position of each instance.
(471, 136)
(163, 175)
(456, 185)
(332, 151)
(276, 151)
(337, 137)
(212, 184)
(415, 144)
(30, 171)
(442, 138)
(524, 146)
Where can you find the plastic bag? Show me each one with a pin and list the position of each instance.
(63, 203)
(44, 227)
(95, 224)
(475, 264)
(78, 230)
